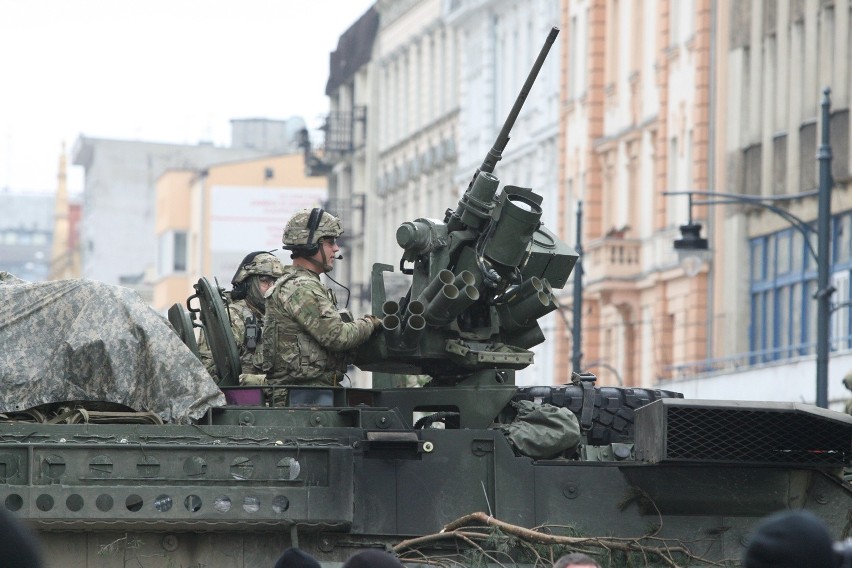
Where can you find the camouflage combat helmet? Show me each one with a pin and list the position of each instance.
(308, 226)
(261, 264)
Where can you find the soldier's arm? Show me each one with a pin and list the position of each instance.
(238, 326)
(316, 314)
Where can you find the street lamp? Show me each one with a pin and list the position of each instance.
(691, 248)
(691, 241)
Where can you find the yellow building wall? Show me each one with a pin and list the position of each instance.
(173, 201)
(183, 204)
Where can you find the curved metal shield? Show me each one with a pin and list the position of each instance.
(217, 329)
(179, 318)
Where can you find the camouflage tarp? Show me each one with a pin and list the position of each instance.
(81, 340)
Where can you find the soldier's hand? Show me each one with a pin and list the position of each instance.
(250, 380)
(377, 322)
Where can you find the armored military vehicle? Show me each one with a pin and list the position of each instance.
(118, 447)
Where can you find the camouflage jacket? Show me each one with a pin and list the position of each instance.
(305, 341)
(239, 313)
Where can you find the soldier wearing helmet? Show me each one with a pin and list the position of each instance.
(256, 274)
(306, 341)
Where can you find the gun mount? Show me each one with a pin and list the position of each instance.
(481, 279)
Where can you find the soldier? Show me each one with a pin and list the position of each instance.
(256, 274)
(306, 341)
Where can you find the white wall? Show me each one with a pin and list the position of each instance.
(784, 382)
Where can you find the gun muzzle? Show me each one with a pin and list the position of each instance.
(443, 278)
(464, 278)
(415, 308)
(468, 295)
(531, 285)
(526, 311)
(390, 308)
(437, 310)
(390, 323)
(414, 327)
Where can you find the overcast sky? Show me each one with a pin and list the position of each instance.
(155, 70)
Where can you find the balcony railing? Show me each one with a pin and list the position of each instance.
(345, 130)
(752, 359)
(613, 258)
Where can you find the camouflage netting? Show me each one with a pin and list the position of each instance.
(80, 340)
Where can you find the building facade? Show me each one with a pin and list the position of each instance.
(26, 234)
(417, 111)
(65, 249)
(773, 62)
(635, 123)
(117, 240)
(349, 156)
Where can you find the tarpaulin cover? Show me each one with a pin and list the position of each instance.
(81, 340)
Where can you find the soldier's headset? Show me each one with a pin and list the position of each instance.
(312, 248)
(239, 290)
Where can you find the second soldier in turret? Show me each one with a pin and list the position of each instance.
(257, 272)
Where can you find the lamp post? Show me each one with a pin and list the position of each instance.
(577, 318)
(824, 288)
(691, 240)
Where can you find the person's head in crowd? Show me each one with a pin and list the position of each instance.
(576, 560)
(372, 559)
(19, 546)
(295, 558)
(790, 539)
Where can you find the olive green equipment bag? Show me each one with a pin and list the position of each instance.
(542, 431)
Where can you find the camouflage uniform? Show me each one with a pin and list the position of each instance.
(305, 341)
(244, 313)
(239, 313)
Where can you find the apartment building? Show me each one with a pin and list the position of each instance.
(772, 64)
(349, 154)
(117, 240)
(416, 62)
(635, 123)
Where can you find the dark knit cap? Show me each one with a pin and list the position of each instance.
(19, 546)
(372, 559)
(295, 558)
(791, 539)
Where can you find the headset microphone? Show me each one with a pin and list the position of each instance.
(339, 257)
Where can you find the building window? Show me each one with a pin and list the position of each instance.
(783, 283)
(172, 253)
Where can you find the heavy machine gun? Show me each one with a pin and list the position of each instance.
(480, 280)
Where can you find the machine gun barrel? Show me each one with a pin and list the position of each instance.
(496, 152)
